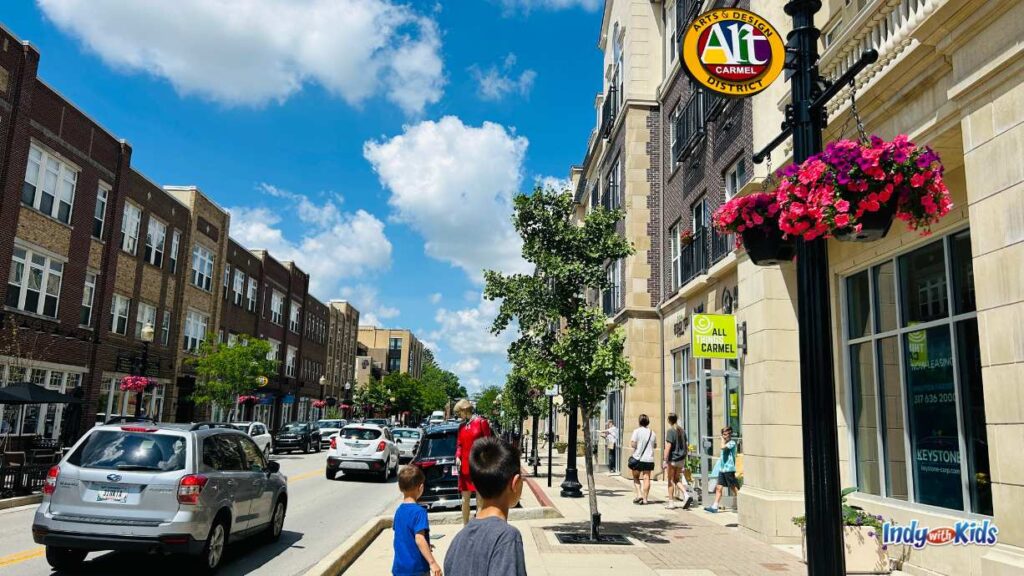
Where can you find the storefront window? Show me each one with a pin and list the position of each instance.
(917, 385)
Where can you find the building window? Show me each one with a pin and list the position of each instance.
(611, 296)
(735, 178)
(289, 365)
(99, 216)
(49, 185)
(119, 314)
(88, 295)
(165, 328)
(294, 316)
(202, 268)
(395, 344)
(155, 237)
(276, 307)
(144, 314)
(674, 251)
(175, 242)
(227, 280)
(275, 350)
(238, 287)
(251, 295)
(611, 198)
(917, 414)
(232, 339)
(195, 330)
(670, 33)
(394, 364)
(33, 284)
(130, 228)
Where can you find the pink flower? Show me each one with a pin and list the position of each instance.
(843, 220)
(843, 206)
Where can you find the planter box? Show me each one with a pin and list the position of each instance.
(768, 247)
(874, 226)
(864, 554)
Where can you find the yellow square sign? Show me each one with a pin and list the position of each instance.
(714, 336)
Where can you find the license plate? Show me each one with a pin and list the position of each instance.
(355, 466)
(455, 471)
(112, 494)
(358, 444)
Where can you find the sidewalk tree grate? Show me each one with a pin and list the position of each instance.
(583, 538)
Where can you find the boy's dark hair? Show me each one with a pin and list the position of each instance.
(644, 420)
(727, 429)
(410, 477)
(492, 464)
(672, 418)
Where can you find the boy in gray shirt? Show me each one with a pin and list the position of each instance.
(488, 545)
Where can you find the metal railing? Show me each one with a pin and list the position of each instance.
(707, 248)
(608, 110)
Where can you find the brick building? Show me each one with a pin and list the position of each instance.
(342, 340)
(313, 360)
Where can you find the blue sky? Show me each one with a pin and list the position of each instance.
(376, 143)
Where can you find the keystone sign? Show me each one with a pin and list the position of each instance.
(732, 52)
(713, 336)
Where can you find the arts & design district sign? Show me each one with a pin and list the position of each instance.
(733, 52)
(714, 336)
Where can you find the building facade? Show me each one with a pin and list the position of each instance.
(396, 350)
(342, 341)
(313, 363)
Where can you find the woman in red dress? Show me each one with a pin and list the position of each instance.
(473, 427)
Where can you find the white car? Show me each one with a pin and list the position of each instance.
(328, 428)
(363, 449)
(436, 418)
(408, 441)
(259, 433)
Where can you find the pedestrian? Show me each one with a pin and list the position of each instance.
(641, 462)
(611, 437)
(413, 556)
(726, 469)
(673, 462)
(489, 545)
(472, 428)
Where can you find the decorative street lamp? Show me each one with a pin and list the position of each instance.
(553, 394)
(323, 387)
(147, 335)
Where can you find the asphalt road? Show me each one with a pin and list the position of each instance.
(321, 515)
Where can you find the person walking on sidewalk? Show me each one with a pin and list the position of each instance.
(673, 462)
(726, 470)
(473, 428)
(641, 462)
(611, 438)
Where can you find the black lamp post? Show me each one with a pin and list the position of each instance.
(571, 487)
(551, 394)
(147, 335)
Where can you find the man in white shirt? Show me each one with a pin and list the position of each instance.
(611, 436)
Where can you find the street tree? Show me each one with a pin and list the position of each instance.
(224, 372)
(551, 308)
(406, 393)
(487, 402)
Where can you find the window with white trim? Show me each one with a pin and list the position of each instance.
(165, 328)
(251, 295)
(274, 354)
(202, 268)
(119, 314)
(49, 184)
(33, 283)
(99, 216)
(144, 314)
(195, 330)
(156, 235)
(175, 242)
(227, 279)
(735, 178)
(238, 287)
(276, 307)
(295, 313)
(232, 339)
(289, 365)
(675, 250)
(88, 295)
(130, 228)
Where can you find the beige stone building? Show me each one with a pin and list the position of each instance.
(342, 338)
(199, 313)
(394, 349)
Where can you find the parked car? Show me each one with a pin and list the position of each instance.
(436, 457)
(382, 422)
(294, 436)
(363, 449)
(436, 417)
(329, 427)
(159, 488)
(408, 441)
(259, 433)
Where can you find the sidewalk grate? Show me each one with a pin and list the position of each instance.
(602, 540)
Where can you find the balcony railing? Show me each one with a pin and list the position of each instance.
(707, 248)
(608, 110)
(690, 126)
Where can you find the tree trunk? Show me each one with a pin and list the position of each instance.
(588, 460)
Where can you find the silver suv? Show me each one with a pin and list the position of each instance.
(159, 488)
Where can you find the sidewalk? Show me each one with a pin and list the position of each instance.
(664, 542)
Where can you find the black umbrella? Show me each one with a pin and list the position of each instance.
(22, 393)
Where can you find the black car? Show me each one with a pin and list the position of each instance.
(293, 436)
(436, 457)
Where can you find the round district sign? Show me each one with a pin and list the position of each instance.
(733, 52)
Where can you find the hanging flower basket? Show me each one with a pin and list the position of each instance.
(319, 403)
(686, 237)
(332, 402)
(248, 400)
(852, 190)
(136, 384)
(754, 221)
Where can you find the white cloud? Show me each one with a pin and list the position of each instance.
(554, 183)
(333, 246)
(468, 331)
(366, 299)
(527, 5)
(435, 298)
(454, 185)
(495, 83)
(250, 52)
(466, 366)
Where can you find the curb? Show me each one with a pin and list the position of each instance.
(20, 501)
(539, 493)
(339, 559)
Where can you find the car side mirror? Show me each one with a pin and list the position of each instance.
(273, 467)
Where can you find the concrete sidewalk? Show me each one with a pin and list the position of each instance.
(664, 542)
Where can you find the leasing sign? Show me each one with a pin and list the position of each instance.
(714, 336)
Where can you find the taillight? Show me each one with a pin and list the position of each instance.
(425, 463)
(138, 429)
(190, 487)
(51, 480)
(334, 443)
(381, 446)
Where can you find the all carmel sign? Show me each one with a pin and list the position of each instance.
(714, 336)
(733, 52)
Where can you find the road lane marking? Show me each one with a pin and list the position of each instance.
(23, 556)
(305, 475)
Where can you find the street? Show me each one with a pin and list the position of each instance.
(321, 515)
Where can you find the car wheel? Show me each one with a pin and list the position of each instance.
(213, 551)
(305, 448)
(277, 521)
(267, 451)
(64, 558)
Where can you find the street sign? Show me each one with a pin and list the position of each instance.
(732, 52)
(714, 336)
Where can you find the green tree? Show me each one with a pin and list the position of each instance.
(224, 372)
(564, 340)
(487, 402)
(406, 393)
(372, 397)
(436, 377)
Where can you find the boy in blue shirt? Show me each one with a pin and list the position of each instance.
(412, 529)
(726, 470)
